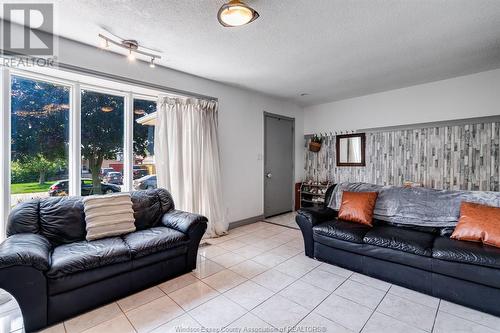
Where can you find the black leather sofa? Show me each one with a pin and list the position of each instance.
(54, 273)
(423, 259)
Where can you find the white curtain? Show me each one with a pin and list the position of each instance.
(187, 158)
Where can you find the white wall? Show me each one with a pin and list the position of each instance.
(240, 122)
(468, 96)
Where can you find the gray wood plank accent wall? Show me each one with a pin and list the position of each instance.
(464, 156)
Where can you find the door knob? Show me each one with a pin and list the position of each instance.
(269, 175)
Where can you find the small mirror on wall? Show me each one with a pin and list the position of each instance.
(351, 149)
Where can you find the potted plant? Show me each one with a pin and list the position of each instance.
(315, 144)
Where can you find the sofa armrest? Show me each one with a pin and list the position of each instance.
(24, 258)
(307, 218)
(317, 215)
(183, 221)
(25, 250)
(193, 225)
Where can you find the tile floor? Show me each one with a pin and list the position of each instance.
(287, 220)
(257, 277)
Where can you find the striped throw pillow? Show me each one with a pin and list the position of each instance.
(108, 215)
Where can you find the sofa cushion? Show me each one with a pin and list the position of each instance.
(108, 215)
(343, 230)
(147, 209)
(339, 243)
(398, 256)
(82, 256)
(466, 252)
(23, 218)
(358, 207)
(62, 219)
(478, 223)
(411, 241)
(149, 241)
(384, 253)
(166, 200)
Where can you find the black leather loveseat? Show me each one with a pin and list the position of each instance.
(54, 273)
(423, 259)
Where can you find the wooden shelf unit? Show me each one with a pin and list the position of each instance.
(312, 194)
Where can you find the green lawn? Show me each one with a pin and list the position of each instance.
(29, 188)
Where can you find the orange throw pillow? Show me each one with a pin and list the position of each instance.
(478, 223)
(358, 207)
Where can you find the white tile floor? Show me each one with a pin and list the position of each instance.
(257, 277)
(287, 220)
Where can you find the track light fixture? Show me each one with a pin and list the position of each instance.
(131, 45)
(131, 56)
(104, 43)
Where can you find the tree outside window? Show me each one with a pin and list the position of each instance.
(39, 137)
(102, 133)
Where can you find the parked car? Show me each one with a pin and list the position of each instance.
(145, 183)
(139, 171)
(114, 178)
(105, 171)
(61, 188)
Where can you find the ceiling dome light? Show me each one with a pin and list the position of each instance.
(236, 13)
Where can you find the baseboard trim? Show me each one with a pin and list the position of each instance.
(243, 222)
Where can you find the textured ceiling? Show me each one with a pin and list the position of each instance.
(330, 49)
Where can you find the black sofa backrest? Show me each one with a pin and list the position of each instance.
(62, 219)
(149, 206)
(446, 231)
(328, 195)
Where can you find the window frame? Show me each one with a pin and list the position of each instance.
(127, 186)
(142, 98)
(74, 153)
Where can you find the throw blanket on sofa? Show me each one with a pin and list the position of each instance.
(418, 205)
(108, 215)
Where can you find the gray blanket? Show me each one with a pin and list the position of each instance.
(418, 205)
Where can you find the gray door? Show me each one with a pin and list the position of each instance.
(278, 164)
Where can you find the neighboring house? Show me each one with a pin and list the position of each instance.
(148, 161)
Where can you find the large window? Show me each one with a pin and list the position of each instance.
(102, 142)
(71, 134)
(39, 139)
(144, 121)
